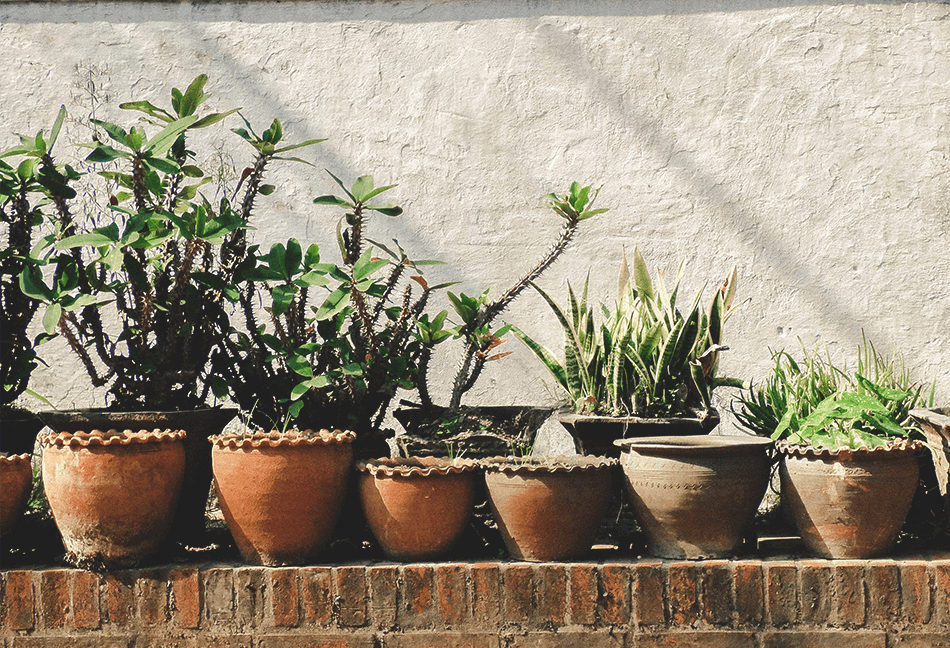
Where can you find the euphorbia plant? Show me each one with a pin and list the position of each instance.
(645, 357)
(141, 295)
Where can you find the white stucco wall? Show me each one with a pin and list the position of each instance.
(805, 142)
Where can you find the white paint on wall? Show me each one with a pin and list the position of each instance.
(805, 142)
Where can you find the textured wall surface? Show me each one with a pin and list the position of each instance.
(805, 142)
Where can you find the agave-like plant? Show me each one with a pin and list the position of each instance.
(644, 358)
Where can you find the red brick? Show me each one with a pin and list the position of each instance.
(849, 593)
(120, 588)
(153, 598)
(418, 603)
(77, 642)
(54, 598)
(219, 596)
(323, 640)
(697, 639)
(781, 593)
(317, 601)
(550, 583)
(383, 595)
(817, 585)
(750, 593)
(351, 595)
(922, 640)
(285, 597)
(186, 598)
(18, 600)
(486, 588)
(825, 639)
(583, 594)
(615, 580)
(86, 611)
(251, 601)
(444, 640)
(718, 603)
(915, 592)
(941, 576)
(588, 639)
(517, 592)
(683, 593)
(454, 606)
(884, 594)
(650, 594)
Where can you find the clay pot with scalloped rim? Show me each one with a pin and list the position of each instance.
(549, 509)
(16, 483)
(849, 503)
(417, 507)
(695, 495)
(113, 494)
(282, 492)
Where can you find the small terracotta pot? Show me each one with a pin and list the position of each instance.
(16, 484)
(849, 503)
(548, 509)
(695, 495)
(417, 507)
(113, 494)
(282, 492)
(189, 521)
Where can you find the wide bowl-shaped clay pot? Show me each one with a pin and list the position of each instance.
(113, 494)
(595, 435)
(417, 507)
(282, 492)
(694, 496)
(849, 503)
(548, 508)
(16, 483)
(189, 521)
(20, 428)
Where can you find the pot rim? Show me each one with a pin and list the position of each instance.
(12, 460)
(82, 439)
(893, 448)
(415, 466)
(275, 438)
(692, 444)
(549, 465)
(574, 417)
(935, 416)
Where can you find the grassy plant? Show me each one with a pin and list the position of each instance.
(644, 357)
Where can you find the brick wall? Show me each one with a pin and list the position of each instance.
(646, 603)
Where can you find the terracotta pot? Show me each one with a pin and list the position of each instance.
(595, 435)
(113, 494)
(849, 503)
(16, 484)
(694, 496)
(20, 428)
(417, 508)
(189, 523)
(548, 509)
(282, 493)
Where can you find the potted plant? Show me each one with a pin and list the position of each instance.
(417, 508)
(846, 446)
(645, 369)
(26, 182)
(141, 290)
(483, 431)
(548, 508)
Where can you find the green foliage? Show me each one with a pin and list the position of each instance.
(645, 357)
(814, 402)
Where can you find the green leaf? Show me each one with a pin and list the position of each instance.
(193, 96)
(57, 126)
(148, 109)
(386, 210)
(32, 284)
(116, 132)
(162, 164)
(331, 200)
(362, 188)
(334, 304)
(292, 147)
(345, 190)
(51, 318)
(365, 266)
(100, 237)
(300, 365)
(160, 144)
(282, 297)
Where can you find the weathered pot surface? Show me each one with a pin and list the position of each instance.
(113, 494)
(548, 509)
(417, 507)
(595, 435)
(189, 521)
(694, 496)
(16, 483)
(282, 492)
(849, 503)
